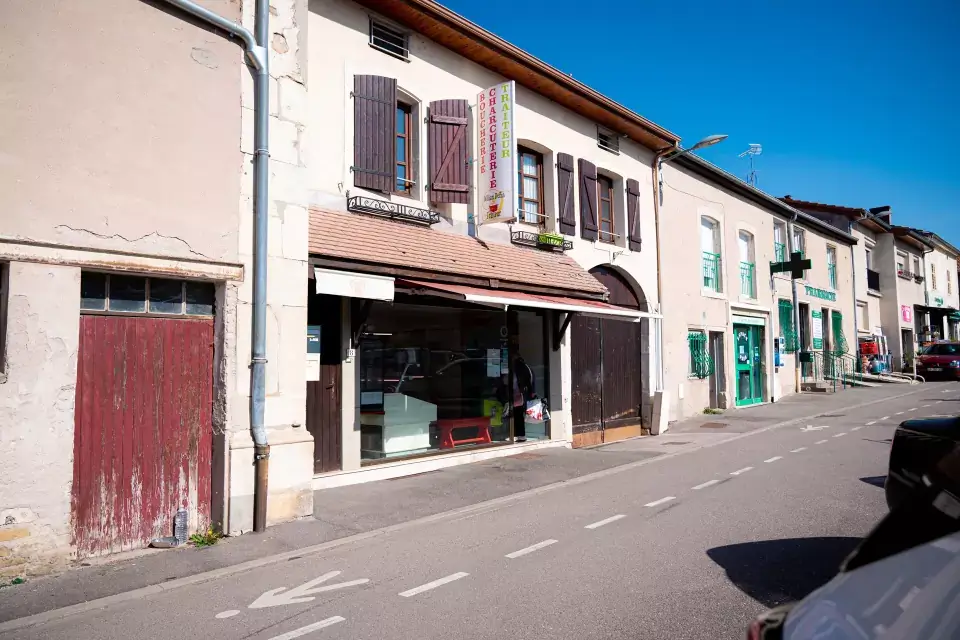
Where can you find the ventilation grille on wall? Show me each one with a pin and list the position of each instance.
(608, 141)
(389, 39)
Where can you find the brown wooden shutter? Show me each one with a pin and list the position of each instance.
(375, 133)
(588, 199)
(633, 214)
(568, 218)
(448, 156)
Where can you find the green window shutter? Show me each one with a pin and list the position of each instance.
(787, 328)
(839, 340)
(701, 364)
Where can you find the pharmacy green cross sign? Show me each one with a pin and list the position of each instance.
(796, 265)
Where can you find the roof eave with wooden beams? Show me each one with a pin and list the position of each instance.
(474, 43)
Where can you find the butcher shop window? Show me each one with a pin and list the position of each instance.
(128, 294)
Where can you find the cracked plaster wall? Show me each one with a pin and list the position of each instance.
(291, 462)
(127, 128)
(36, 417)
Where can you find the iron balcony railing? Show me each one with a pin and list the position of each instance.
(748, 272)
(873, 280)
(711, 271)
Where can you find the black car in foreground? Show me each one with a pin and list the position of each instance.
(902, 582)
(918, 445)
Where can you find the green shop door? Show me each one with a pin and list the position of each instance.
(747, 340)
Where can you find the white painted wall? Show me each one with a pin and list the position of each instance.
(339, 49)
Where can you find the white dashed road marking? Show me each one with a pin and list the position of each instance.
(914, 409)
(597, 525)
(885, 418)
(774, 459)
(739, 471)
(433, 585)
(798, 450)
(898, 413)
(531, 549)
(310, 628)
(657, 503)
(840, 435)
(871, 423)
(819, 442)
(226, 614)
(708, 483)
(855, 429)
(925, 406)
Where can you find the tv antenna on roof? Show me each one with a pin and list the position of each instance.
(752, 152)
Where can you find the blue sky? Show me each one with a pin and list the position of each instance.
(855, 102)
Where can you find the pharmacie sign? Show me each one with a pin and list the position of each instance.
(821, 293)
(497, 156)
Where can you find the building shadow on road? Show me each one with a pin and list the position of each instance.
(775, 572)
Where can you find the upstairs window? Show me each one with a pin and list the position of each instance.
(530, 179)
(832, 267)
(389, 40)
(949, 284)
(710, 247)
(933, 277)
(605, 198)
(404, 149)
(608, 140)
(779, 242)
(748, 268)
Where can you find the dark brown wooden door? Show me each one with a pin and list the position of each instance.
(143, 430)
(586, 370)
(606, 367)
(323, 396)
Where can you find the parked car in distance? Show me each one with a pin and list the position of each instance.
(940, 360)
(918, 445)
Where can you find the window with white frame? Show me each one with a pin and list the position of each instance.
(389, 39)
(748, 266)
(832, 267)
(933, 276)
(800, 241)
(779, 241)
(710, 248)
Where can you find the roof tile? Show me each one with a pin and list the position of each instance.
(363, 238)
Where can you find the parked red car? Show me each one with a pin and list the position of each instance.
(940, 360)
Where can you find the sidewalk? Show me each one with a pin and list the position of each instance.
(346, 511)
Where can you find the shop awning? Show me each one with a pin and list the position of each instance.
(503, 299)
(353, 285)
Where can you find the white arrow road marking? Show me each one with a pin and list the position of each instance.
(303, 593)
(597, 525)
(810, 427)
(310, 628)
(531, 549)
(739, 471)
(433, 585)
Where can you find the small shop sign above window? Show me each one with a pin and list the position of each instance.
(821, 293)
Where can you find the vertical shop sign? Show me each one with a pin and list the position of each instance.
(906, 312)
(817, 329)
(497, 153)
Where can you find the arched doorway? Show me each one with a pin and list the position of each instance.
(606, 367)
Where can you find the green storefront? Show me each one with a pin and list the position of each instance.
(748, 345)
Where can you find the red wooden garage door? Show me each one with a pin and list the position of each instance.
(143, 433)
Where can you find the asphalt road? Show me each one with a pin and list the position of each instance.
(688, 546)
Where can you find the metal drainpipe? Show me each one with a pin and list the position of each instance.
(856, 328)
(796, 306)
(255, 47)
(657, 195)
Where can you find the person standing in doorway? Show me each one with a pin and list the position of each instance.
(523, 390)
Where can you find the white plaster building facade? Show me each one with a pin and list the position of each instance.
(126, 240)
(724, 309)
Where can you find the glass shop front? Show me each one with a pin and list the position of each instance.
(447, 376)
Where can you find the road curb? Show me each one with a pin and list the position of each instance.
(470, 510)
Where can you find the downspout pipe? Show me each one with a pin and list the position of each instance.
(255, 48)
(657, 201)
(856, 304)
